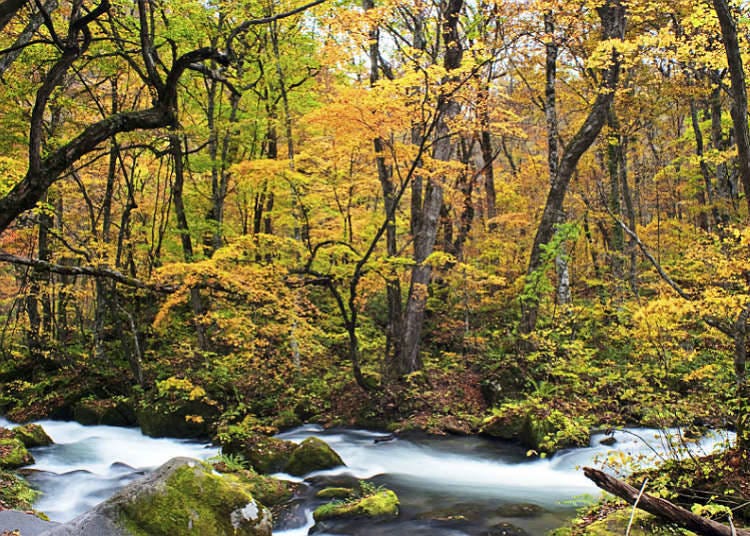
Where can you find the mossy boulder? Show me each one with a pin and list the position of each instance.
(13, 454)
(267, 490)
(185, 419)
(335, 493)
(312, 454)
(382, 504)
(32, 435)
(507, 426)
(181, 498)
(644, 524)
(266, 454)
(15, 492)
(109, 412)
(553, 431)
(269, 454)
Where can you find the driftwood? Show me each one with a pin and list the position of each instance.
(661, 507)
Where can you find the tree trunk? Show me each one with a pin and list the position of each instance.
(725, 189)
(385, 176)
(738, 109)
(197, 304)
(429, 216)
(612, 15)
(661, 507)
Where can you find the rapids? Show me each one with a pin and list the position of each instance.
(447, 485)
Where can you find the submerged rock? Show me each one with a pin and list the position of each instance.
(32, 435)
(13, 454)
(504, 529)
(181, 498)
(519, 510)
(312, 454)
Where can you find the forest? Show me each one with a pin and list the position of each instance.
(521, 219)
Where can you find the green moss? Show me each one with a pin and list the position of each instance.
(194, 501)
(181, 418)
(384, 503)
(111, 412)
(644, 524)
(13, 454)
(507, 426)
(267, 490)
(554, 431)
(312, 454)
(32, 435)
(15, 492)
(335, 493)
(266, 454)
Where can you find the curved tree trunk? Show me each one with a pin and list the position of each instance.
(612, 15)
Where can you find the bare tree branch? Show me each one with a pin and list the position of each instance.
(64, 269)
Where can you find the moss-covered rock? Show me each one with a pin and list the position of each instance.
(269, 491)
(382, 504)
(181, 498)
(506, 426)
(15, 492)
(187, 419)
(266, 454)
(13, 454)
(335, 493)
(109, 412)
(32, 435)
(312, 454)
(644, 524)
(553, 431)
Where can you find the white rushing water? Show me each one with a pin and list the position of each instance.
(491, 473)
(89, 463)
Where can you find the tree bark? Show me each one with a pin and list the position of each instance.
(7, 59)
(738, 109)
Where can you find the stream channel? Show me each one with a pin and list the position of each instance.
(447, 486)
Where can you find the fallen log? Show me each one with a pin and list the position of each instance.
(661, 507)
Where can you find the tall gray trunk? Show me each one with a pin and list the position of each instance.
(432, 202)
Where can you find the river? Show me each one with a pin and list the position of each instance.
(447, 485)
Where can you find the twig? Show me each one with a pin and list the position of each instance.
(635, 507)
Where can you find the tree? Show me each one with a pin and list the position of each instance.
(612, 17)
(739, 91)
